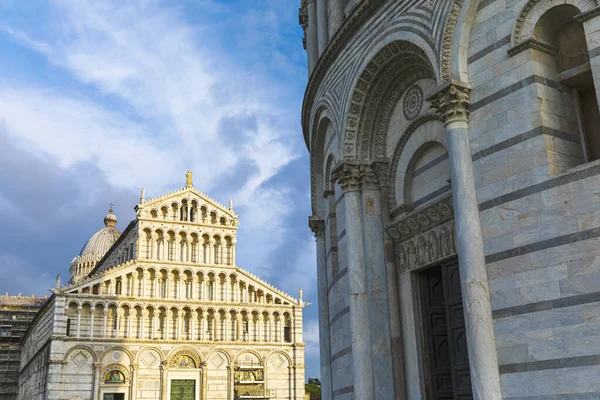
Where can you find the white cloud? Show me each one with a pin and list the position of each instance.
(311, 338)
(149, 89)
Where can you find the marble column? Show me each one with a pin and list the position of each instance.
(452, 104)
(323, 28)
(312, 35)
(163, 381)
(79, 311)
(379, 319)
(382, 171)
(105, 313)
(133, 386)
(143, 319)
(92, 317)
(318, 227)
(337, 16)
(96, 380)
(349, 176)
(233, 252)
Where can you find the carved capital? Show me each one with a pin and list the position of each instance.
(317, 226)
(452, 103)
(381, 169)
(348, 175)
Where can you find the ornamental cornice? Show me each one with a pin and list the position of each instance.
(533, 44)
(421, 221)
(147, 302)
(162, 223)
(250, 276)
(452, 102)
(588, 15)
(219, 343)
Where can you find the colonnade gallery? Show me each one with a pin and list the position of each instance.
(161, 311)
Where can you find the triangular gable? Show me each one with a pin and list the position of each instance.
(191, 192)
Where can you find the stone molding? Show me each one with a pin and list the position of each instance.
(517, 34)
(390, 63)
(452, 102)
(449, 29)
(588, 15)
(533, 44)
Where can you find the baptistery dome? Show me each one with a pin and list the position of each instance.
(95, 248)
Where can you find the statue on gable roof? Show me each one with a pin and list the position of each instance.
(188, 179)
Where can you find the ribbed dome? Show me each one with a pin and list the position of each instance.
(102, 240)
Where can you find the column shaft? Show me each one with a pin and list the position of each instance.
(318, 228)
(312, 36)
(481, 342)
(337, 16)
(452, 103)
(359, 307)
(323, 28)
(381, 351)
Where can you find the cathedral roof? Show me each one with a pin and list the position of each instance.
(102, 240)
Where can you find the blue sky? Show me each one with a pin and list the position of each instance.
(101, 98)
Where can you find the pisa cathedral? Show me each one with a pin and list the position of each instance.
(162, 312)
(455, 174)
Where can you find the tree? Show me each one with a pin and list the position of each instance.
(314, 388)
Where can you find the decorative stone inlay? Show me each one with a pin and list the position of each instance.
(150, 359)
(218, 360)
(452, 103)
(117, 355)
(80, 358)
(421, 221)
(277, 361)
(413, 102)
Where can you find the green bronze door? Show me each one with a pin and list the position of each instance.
(183, 389)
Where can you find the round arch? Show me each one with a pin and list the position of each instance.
(388, 73)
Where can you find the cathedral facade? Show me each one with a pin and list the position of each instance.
(454, 155)
(162, 312)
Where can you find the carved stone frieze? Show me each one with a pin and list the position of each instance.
(452, 103)
(419, 222)
(427, 248)
(425, 237)
(449, 39)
